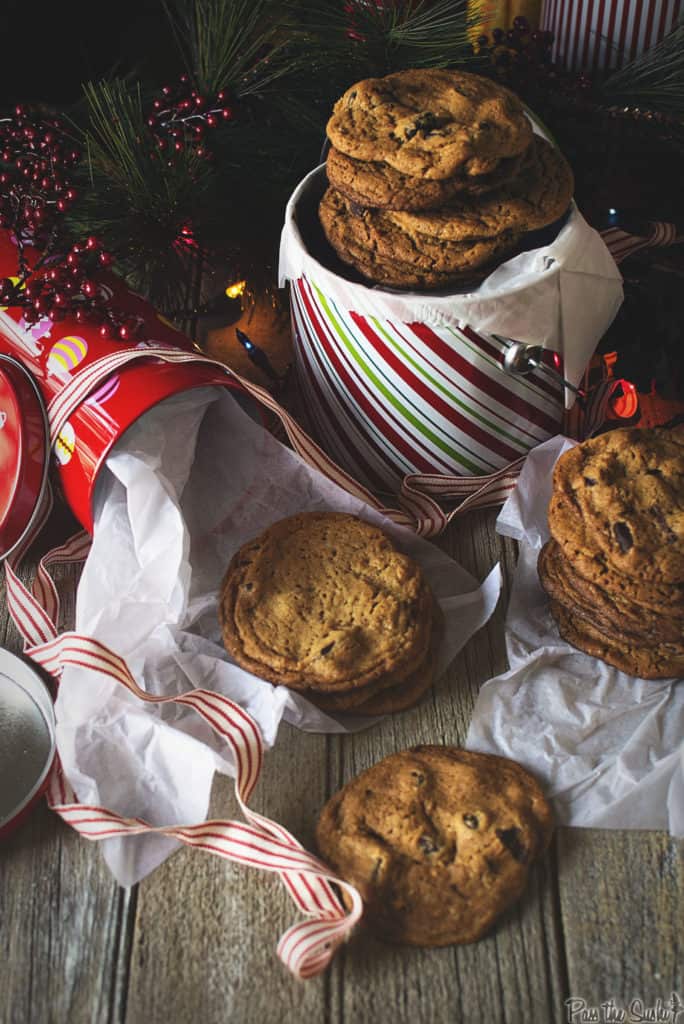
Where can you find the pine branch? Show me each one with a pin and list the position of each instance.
(369, 38)
(234, 45)
(654, 80)
(136, 199)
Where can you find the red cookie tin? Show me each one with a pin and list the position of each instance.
(27, 739)
(50, 353)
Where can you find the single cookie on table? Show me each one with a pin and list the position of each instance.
(627, 652)
(374, 183)
(536, 197)
(430, 123)
(614, 611)
(382, 250)
(324, 601)
(438, 841)
(618, 502)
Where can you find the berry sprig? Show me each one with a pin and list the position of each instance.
(36, 190)
(518, 45)
(66, 286)
(181, 117)
(36, 158)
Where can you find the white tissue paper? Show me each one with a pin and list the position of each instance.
(562, 296)
(608, 747)
(186, 486)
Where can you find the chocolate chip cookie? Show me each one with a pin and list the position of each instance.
(324, 601)
(439, 841)
(430, 123)
(613, 612)
(375, 183)
(372, 242)
(633, 654)
(390, 694)
(618, 502)
(531, 200)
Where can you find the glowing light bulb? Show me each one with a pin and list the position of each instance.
(234, 291)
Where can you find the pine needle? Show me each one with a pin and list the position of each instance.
(230, 45)
(654, 80)
(376, 39)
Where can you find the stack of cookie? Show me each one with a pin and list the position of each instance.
(435, 178)
(438, 841)
(324, 603)
(614, 567)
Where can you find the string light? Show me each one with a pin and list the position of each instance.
(234, 291)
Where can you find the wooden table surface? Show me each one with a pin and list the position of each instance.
(601, 918)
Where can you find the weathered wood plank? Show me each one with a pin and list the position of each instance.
(63, 920)
(622, 905)
(206, 930)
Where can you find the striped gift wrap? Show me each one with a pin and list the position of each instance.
(595, 35)
(389, 399)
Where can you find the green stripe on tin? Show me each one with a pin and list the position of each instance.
(409, 416)
(445, 391)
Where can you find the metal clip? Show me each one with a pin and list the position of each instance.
(520, 358)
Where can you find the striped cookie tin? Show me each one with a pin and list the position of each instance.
(387, 399)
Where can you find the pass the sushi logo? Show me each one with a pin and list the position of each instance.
(66, 354)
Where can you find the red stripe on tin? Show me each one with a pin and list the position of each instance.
(481, 380)
(473, 430)
(596, 39)
(368, 471)
(517, 426)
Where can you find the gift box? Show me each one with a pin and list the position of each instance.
(401, 385)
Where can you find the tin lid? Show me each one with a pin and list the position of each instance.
(24, 453)
(27, 738)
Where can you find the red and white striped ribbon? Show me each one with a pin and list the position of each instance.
(622, 244)
(308, 946)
